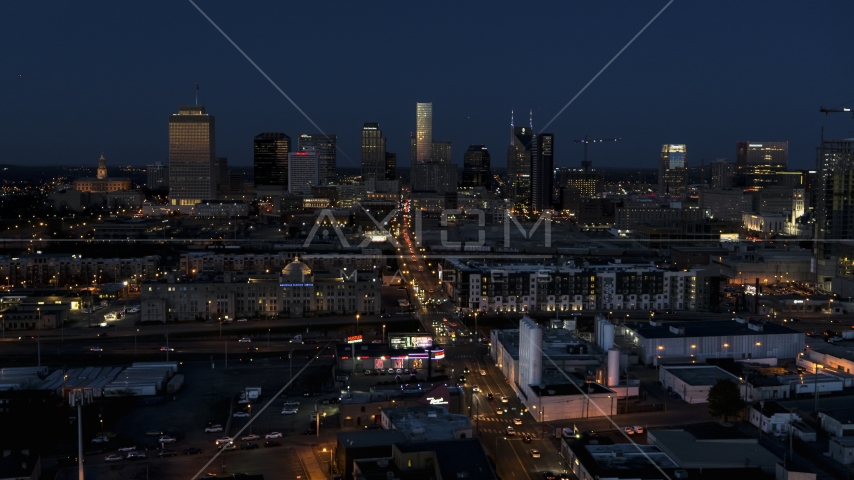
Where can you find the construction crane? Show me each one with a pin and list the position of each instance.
(825, 111)
(585, 164)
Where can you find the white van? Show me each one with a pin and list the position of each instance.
(297, 339)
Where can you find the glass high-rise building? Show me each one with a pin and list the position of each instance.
(373, 152)
(519, 167)
(390, 166)
(325, 146)
(424, 132)
(271, 158)
(757, 163)
(673, 170)
(192, 154)
(476, 167)
(542, 171)
(834, 212)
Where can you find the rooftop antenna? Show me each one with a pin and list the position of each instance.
(197, 93)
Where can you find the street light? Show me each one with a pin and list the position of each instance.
(357, 324)
(330, 458)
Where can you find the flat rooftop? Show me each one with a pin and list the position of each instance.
(625, 456)
(690, 452)
(700, 375)
(370, 438)
(707, 328)
(425, 423)
(563, 389)
(457, 459)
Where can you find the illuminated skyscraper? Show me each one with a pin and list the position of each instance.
(441, 151)
(424, 132)
(834, 212)
(757, 163)
(192, 153)
(542, 171)
(373, 152)
(519, 166)
(673, 170)
(325, 146)
(302, 172)
(271, 158)
(476, 167)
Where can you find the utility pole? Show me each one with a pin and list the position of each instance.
(39, 340)
(76, 398)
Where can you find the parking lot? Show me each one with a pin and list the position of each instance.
(208, 397)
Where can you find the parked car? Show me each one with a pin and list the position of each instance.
(101, 439)
(113, 458)
(637, 429)
(213, 428)
(248, 446)
(96, 349)
(272, 443)
(240, 414)
(223, 440)
(628, 430)
(135, 456)
(289, 411)
(154, 433)
(250, 437)
(166, 453)
(167, 439)
(273, 435)
(192, 451)
(245, 340)
(127, 448)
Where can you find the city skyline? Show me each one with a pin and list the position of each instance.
(642, 111)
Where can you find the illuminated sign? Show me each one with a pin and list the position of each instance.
(797, 301)
(354, 339)
(296, 284)
(437, 401)
(755, 145)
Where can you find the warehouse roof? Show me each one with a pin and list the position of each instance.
(700, 375)
(708, 328)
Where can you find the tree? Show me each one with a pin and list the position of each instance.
(725, 399)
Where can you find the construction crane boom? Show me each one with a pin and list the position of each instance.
(825, 111)
(586, 141)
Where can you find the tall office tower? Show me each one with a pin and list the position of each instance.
(390, 166)
(476, 167)
(441, 151)
(424, 132)
(519, 167)
(303, 172)
(271, 158)
(158, 176)
(723, 173)
(325, 146)
(673, 170)
(373, 152)
(757, 163)
(834, 213)
(542, 171)
(192, 153)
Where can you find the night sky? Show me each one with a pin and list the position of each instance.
(81, 77)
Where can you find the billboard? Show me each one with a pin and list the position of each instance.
(410, 340)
